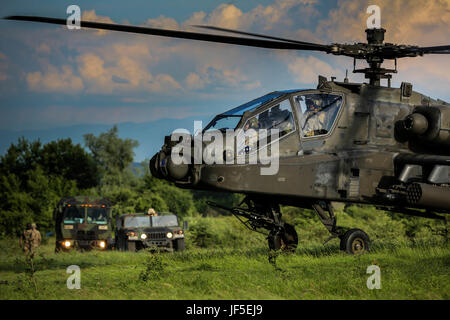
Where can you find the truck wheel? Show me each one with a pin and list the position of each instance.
(131, 246)
(179, 245)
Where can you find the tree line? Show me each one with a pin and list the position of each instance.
(34, 177)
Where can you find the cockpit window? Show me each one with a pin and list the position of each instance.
(318, 112)
(223, 123)
(278, 117)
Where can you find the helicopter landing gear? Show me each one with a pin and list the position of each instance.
(353, 241)
(286, 240)
(259, 214)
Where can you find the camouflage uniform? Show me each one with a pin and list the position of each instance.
(315, 123)
(30, 240)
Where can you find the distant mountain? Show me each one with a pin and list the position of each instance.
(150, 135)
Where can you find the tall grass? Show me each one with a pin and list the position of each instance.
(223, 260)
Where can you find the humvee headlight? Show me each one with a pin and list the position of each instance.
(169, 235)
(102, 244)
(143, 236)
(67, 244)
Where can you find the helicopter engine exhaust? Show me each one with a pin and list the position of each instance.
(427, 195)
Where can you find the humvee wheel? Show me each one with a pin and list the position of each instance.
(355, 241)
(179, 244)
(131, 246)
(286, 241)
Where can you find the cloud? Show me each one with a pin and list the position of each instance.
(163, 22)
(121, 64)
(90, 15)
(43, 48)
(123, 74)
(407, 22)
(54, 79)
(423, 23)
(219, 78)
(305, 70)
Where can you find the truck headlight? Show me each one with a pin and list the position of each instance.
(143, 236)
(67, 244)
(169, 235)
(102, 244)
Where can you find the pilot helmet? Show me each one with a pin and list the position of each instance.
(253, 123)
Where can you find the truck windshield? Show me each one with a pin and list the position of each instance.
(97, 215)
(165, 221)
(137, 222)
(74, 215)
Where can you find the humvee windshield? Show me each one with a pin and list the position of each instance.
(165, 221)
(73, 215)
(137, 222)
(97, 215)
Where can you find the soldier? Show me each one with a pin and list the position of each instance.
(315, 119)
(30, 240)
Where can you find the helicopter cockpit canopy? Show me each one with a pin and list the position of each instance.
(231, 118)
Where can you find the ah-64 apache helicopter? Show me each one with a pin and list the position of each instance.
(346, 142)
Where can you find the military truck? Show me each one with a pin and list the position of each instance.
(138, 231)
(83, 223)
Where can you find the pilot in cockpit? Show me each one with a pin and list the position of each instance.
(315, 119)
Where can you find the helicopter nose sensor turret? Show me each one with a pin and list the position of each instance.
(163, 166)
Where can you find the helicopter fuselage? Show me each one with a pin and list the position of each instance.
(372, 152)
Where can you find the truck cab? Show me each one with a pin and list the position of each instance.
(83, 223)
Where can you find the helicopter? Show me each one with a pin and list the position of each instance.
(345, 142)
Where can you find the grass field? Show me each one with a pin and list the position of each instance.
(313, 272)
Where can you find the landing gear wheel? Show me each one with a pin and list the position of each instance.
(355, 241)
(286, 241)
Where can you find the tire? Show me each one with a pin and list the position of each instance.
(131, 246)
(355, 241)
(179, 245)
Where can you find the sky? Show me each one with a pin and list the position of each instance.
(58, 83)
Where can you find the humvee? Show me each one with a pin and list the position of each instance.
(83, 223)
(138, 231)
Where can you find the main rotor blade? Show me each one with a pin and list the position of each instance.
(259, 35)
(180, 34)
(434, 50)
